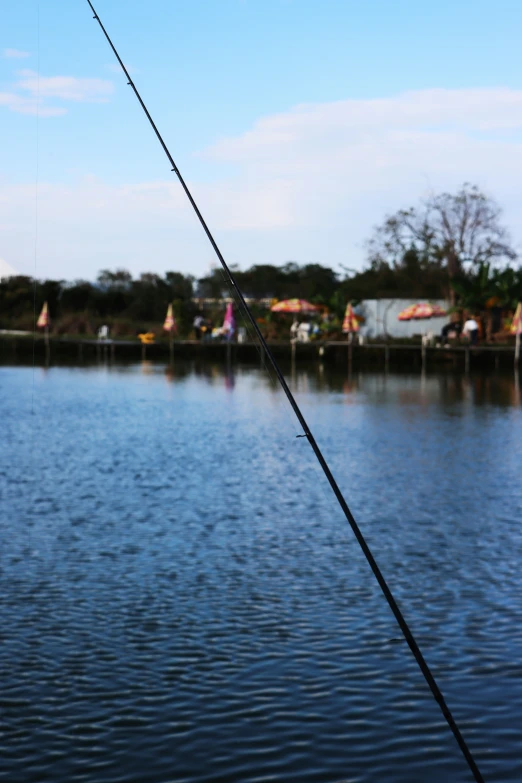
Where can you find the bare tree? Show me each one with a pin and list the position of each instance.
(446, 230)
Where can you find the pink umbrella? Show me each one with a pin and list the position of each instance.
(229, 324)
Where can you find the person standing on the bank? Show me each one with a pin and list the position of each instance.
(471, 328)
(198, 323)
(293, 331)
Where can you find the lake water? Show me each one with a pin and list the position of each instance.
(182, 600)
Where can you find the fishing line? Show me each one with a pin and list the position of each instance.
(428, 676)
(37, 178)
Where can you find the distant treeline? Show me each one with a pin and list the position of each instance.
(451, 246)
(130, 304)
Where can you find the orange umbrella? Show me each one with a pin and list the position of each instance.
(421, 310)
(407, 314)
(516, 326)
(43, 319)
(170, 323)
(350, 323)
(294, 306)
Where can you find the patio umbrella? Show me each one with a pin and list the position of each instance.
(170, 326)
(294, 306)
(420, 311)
(43, 323)
(229, 324)
(516, 328)
(43, 319)
(350, 323)
(170, 322)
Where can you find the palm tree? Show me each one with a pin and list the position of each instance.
(483, 288)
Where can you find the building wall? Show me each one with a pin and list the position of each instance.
(381, 318)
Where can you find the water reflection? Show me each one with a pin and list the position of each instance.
(170, 373)
(503, 390)
(230, 379)
(181, 600)
(404, 388)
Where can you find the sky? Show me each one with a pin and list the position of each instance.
(297, 124)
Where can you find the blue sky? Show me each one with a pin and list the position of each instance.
(297, 124)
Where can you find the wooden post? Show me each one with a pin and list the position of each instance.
(466, 365)
(423, 355)
(229, 353)
(517, 349)
(47, 346)
(293, 351)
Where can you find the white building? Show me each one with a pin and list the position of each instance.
(381, 318)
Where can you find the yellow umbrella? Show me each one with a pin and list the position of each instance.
(43, 319)
(516, 326)
(350, 323)
(170, 323)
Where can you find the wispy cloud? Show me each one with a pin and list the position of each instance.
(29, 105)
(66, 88)
(15, 54)
(315, 127)
(307, 184)
(322, 159)
(31, 93)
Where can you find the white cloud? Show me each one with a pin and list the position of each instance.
(90, 224)
(67, 88)
(347, 123)
(23, 105)
(308, 184)
(31, 93)
(328, 160)
(15, 54)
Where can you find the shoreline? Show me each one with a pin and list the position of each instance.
(461, 358)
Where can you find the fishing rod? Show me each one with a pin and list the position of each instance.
(414, 647)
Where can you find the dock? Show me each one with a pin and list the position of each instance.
(18, 347)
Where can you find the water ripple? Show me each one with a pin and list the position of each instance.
(182, 604)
